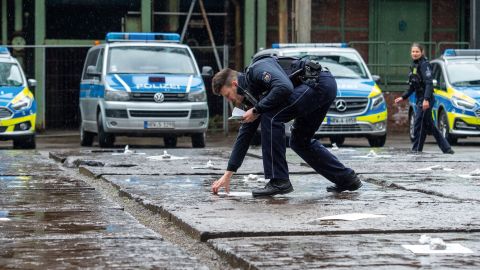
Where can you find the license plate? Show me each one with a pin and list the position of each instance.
(156, 124)
(342, 120)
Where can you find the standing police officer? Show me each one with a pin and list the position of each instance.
(268, 93)
(420, 82)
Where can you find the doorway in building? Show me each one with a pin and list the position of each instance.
(399, 23)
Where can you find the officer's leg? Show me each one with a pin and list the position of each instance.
(418, 131)
(441, 141)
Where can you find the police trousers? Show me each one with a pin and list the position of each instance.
(308, 107)
(423, 124)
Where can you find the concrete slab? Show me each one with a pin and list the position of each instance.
(355, 251)
(93, 253)
(40, 182)
(188, 201)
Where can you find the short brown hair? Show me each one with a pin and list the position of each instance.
(223, 78)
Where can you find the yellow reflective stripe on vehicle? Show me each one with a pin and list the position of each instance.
(373, 118)
(11, 122)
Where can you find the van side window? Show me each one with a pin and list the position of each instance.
(441, 80)
(100, 61)
(91, 61)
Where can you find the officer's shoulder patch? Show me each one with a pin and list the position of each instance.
(428, 73)
(266, 77)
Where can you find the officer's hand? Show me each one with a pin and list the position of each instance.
(249, 116)
(425, 105)
(224, 181)
(398, 99)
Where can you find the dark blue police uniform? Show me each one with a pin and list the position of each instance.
(280, 102)
(420, 82)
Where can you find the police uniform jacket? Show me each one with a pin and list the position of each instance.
(420, 80)
(268, 83)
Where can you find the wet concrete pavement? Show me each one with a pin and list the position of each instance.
(411, 194)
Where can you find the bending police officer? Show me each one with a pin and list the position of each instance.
(271, 98)
(420, 82)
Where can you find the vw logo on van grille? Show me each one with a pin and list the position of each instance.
(158, 97)
(341, 105)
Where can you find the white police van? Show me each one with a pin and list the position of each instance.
(142, 84)
(18, 109)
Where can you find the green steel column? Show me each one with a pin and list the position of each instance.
(261, 24)
(4, 22)
(146, 11)
(249, 34)
(40, 62)
(173, 21)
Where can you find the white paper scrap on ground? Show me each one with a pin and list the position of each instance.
(127, 151)
(334, 146)
(237, 114)
(436, 168)
(209, 165)
(4, 219)
(473, 174)
(425, 249)
(373, 154)
(351, 217)
(236, 194)
(165, 156)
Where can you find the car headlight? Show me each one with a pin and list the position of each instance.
(377, 101)
(198, 96)
(23, 103)
(462, 103)
(116, 95)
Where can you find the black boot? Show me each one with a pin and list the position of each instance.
(274, 187)
(351, 185)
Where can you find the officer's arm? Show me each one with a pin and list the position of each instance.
(409, 91)
(426, 73)
(273, 78)
(240, 148)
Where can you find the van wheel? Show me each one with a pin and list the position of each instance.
(377, 141)
(411, 127)
(27, 142)
(198, 140)
(86, 137)
(170, 141)
(338, 140)
(104, 139)
(444, 128)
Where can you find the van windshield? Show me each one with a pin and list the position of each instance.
(149, 59)
(464, 73)
(10, 75)
(341, 65)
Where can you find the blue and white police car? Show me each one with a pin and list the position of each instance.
(359, 109)
(18, 109)
(142, 84)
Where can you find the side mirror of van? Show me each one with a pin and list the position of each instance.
(92, 71)
(207, 71)
(32, 82)
(435, 83)
(376, 78)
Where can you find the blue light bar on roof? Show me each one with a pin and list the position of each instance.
(4, 51)
(461, 52)
(308, 45)
(148, 37)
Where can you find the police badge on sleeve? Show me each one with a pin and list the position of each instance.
(266, 77)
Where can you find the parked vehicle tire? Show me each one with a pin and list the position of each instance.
(198, 140)
(377, 141)
(26, 142)
(338, 140)
(411, 125)
(443, 126)
(287, 141)
(170, 141)
(86, 137)
(104, 139)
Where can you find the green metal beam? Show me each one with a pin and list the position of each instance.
(249, 31)
(146, 11)
(4, 22)
(40, 62)
(261, 24)
(71, 42)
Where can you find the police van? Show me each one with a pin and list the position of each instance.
(142, 84)
(359, 110)
(456, 83)
(18, 109)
